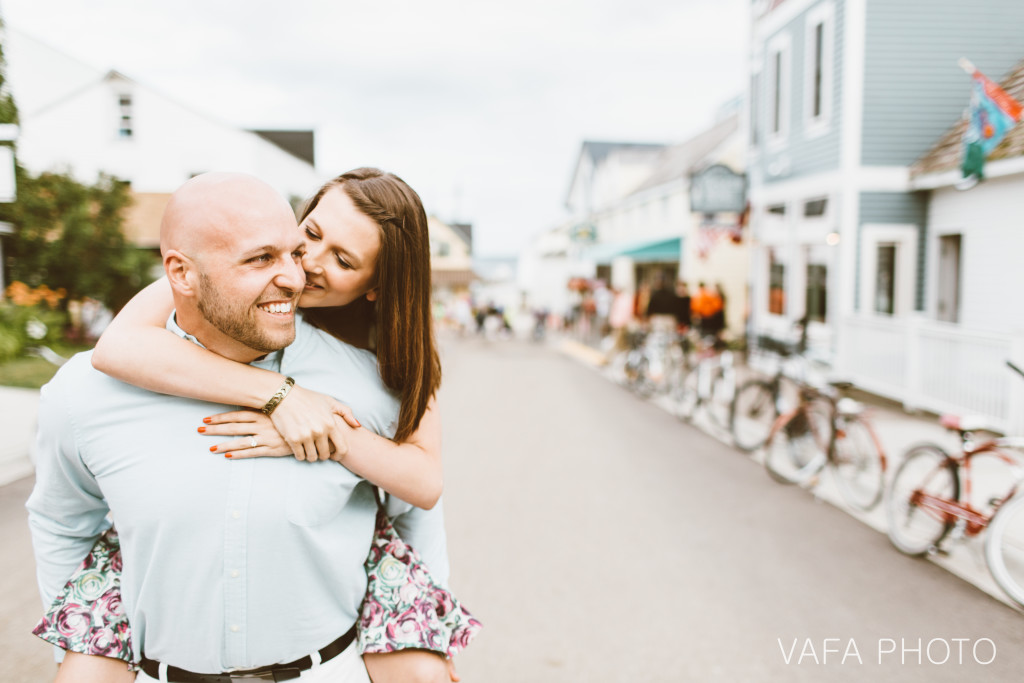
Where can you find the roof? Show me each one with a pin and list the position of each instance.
(679, 161)
(298, 143)
(464, 231)
(945, 155)
(599, 151)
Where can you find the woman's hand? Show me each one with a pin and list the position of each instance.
(259, 438)
(306, 421)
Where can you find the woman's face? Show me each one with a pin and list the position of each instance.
(342, 244)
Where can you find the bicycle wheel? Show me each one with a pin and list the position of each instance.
(723, 391)
(915, 527)
(685, 395)
(858, 465)
(796, 448)
(1004, 548)
(752, 414)
(637, 378)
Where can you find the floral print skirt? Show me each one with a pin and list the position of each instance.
(404, 607)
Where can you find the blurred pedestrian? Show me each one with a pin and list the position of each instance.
(705, 305)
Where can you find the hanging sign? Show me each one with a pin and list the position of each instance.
(718, 189)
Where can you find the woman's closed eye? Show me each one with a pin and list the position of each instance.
(312, 235)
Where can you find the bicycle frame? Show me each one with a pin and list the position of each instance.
(950, 511)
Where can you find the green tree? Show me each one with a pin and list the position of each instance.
(8, 110)
(70, 235)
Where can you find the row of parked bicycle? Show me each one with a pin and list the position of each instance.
(803, 423)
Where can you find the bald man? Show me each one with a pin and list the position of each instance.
(232, 570)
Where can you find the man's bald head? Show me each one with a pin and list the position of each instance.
(206, 212)
(232, 253)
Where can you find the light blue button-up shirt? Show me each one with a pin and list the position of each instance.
(227, 564)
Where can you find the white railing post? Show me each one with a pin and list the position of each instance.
(1015, 399)
(914, 387)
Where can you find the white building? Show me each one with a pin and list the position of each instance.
(79, 119)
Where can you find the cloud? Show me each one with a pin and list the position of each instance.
(480, 105)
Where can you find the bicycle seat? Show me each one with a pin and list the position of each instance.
(966, 423)
(849, 407)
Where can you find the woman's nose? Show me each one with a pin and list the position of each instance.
(310, 261)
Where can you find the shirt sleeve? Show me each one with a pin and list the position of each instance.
(66, 511)
(424, 531)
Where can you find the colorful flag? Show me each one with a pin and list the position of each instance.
(993, 113)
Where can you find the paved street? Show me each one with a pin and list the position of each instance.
(601, 540)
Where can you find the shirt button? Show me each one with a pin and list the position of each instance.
(236, 514)
(235, 629)
(235, 574)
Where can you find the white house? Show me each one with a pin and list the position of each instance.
(87, 121)
(451, 259)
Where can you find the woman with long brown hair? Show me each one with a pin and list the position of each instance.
(367, 266)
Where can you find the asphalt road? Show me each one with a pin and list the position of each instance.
(600, 540)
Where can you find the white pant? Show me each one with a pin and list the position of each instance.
(345, 668)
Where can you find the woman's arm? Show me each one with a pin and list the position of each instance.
(410, 470)
(138, 349)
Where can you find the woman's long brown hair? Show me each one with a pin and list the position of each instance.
(401, 315)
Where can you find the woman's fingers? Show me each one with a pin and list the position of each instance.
(347, 414)
(227, 429)
(323, 448)
(233, 416)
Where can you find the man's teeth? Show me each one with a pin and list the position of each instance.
(277, 308)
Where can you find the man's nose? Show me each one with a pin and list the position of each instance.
(292, 276)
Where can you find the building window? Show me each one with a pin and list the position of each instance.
(778, 88)
(818, 86)
(776, 284)
(755, 112)
(815, 207)
(777, 209)
(125, 110)
(949, 278)
(885, 279)
(816, 303)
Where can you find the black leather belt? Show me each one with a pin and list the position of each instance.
(274, 672)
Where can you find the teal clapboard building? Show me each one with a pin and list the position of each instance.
(844, 96)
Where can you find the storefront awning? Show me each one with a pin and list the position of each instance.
(664, 250)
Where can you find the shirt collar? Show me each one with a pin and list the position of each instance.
(271, 361)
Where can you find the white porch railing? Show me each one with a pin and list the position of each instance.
(935, 366)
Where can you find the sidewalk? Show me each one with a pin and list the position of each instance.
(18, 408)
(897, 430)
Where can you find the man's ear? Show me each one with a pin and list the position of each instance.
(182, 273)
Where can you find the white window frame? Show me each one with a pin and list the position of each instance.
(823, 15)
(905, 237)
(780, 44)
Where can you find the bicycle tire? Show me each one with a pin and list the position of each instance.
(858, 465)
(753, 411)
(796, 448)
(1004, 548)
(913, 530)
(723, 391)
(685, 395)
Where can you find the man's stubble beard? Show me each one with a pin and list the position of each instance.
(235, 321)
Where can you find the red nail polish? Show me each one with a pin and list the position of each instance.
(202, 429)
(213, 449)
(207, 420)
(227, 455)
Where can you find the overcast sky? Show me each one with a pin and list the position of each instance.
(481, 106)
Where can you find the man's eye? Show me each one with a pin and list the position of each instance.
(298, 254)
(262, 258)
